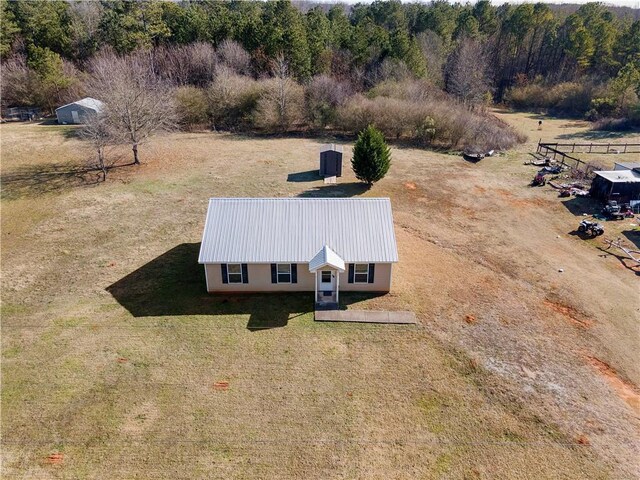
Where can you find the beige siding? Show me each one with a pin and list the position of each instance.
(260, 280)
(381, 283)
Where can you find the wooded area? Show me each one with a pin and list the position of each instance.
(419, 71)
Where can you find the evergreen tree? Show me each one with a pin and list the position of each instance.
(371, 156)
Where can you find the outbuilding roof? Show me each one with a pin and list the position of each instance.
(620, 176)
(628, 165)
(86, 102)
(294, 230)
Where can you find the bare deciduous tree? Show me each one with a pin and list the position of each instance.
(231, 54)
(98, 132)
(281, 104)
(466, 73)
(193, 64)
(138, 104)
(323, 96)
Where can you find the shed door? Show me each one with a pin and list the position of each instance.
(75, 116)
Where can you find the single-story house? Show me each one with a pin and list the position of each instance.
(320, 245)
(622, 185)
(76, 112)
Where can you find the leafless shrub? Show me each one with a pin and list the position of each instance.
(138, 104)
(192, 106)
(573, 98)
(193, 64)
(231, 54)
(433, 121)
(233, 99)
(18, 82)
(323, 96)
(282, 102)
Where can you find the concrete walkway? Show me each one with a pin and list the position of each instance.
(365, 316)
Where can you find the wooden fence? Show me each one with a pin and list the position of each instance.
(560, 151)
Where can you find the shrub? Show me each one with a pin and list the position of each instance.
(323, 96)
(233, 99)
(192, 106)
(371, 156)
(425, 119)
(280, 106)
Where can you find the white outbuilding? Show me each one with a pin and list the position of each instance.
(77, 112)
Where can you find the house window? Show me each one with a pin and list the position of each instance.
(325, 276)
(284, 273)
(234, 272)
(361, 273)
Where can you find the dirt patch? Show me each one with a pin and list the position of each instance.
(627, 391)
(570, 313)
(55, 459)
(221, 385)
(470, 319)
(410, 186)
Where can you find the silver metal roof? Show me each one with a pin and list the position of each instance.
(620, 176)
(325, 257)
(293, 230)
(331, 147)
(86, 102)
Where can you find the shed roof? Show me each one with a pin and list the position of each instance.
(331, 147)
(293, 230)
(628, 165)
(86, 102)
(620, 176)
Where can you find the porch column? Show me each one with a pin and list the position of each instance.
(337, 286)
(315, 289)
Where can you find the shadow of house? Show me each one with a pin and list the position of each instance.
(581, 205)
(173, 284)
(308, 176)
(350, 189)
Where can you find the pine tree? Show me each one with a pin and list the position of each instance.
(371, 156)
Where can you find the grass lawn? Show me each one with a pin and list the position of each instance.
(117, 364)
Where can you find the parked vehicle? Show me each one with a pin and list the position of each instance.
(591, 228)
(613, 210)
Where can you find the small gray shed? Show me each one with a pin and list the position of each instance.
(76, 112)
(331, 160)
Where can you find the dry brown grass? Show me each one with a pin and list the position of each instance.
(158, 380)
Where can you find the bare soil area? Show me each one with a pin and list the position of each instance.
(117, 364)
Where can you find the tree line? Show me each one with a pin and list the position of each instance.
(419, 71)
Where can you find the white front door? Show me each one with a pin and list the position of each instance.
(327, 281)
(75, 116)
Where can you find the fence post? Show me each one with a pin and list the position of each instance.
(625, 148)
(573, 149)
(590, 145)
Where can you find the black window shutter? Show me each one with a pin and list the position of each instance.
(294, 273)
(274, 273)
(245, 274)
(372, 271)
(223, 268)
(351, 273)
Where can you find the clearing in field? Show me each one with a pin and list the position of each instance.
(117, 364)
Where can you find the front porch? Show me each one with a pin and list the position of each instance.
(327, 266)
